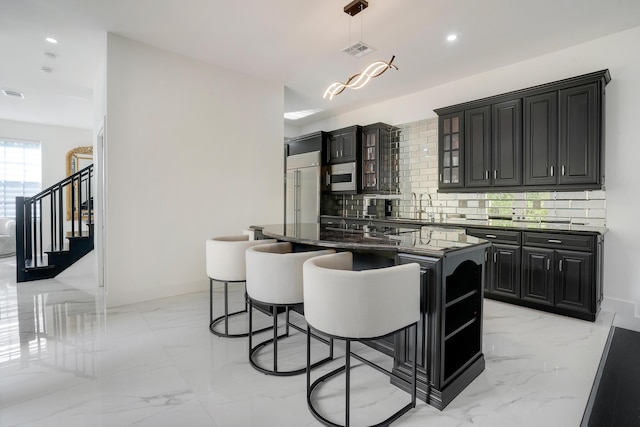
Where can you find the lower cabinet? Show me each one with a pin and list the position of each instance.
(556, 272)
(504, 270)
(557, 278)
(502, 273)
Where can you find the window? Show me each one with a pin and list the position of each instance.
(20, 173)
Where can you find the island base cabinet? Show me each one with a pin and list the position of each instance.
(450, 329)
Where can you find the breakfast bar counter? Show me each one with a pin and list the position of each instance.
(452, 277)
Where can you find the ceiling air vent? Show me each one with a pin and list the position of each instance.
(358, 49)
(13, 93)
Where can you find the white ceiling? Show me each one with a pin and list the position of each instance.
(293, 42)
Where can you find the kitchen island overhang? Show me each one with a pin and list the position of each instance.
(452, 274)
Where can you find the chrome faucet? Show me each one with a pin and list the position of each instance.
(430, 205)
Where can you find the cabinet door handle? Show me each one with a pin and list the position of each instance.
(552, 170)
(554, 241)
(486, 256)
(562, 170)
(548, 264)
(495, 174)
(440, 177)
(495, 257)
(328, 180)
(486, 175)
(560, 265)
(490, 236)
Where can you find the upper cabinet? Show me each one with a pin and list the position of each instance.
(344, 145)
(378, 161)
(541, 139)
(549, 137)
(579, 143)
(450, 150)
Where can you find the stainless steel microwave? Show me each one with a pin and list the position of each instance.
(341, 177)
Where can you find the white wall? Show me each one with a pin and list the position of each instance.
(615, 52)
(193, 151)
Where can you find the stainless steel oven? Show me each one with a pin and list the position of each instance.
(341, 177)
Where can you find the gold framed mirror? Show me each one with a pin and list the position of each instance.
(77, 159)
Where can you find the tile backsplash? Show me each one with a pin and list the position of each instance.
(418, 197)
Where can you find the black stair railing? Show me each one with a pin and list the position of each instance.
(49, 205)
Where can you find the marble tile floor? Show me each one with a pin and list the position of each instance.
(66, 361)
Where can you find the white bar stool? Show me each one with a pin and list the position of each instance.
(225, 258)
(274, 278)
(357, 306)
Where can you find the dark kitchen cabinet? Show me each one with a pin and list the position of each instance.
(574, 280)
(451, 303)
(451, 150)
(579, 142)
(306, 143)
(477, 147)
(548, 137)
(541, 139)
(506, 147)
(504, 267)
(538, 275)
(560, 271)
(379, 166)
(344, 145)
(493, 144)
(502, 273)
(551, 271)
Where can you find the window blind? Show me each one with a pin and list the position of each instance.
(20, 173)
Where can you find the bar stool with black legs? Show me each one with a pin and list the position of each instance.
(226, 263)
(274, 279)
(359, 306)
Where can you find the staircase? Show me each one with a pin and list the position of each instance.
(54, 228)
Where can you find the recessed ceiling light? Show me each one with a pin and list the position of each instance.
(451, 37)
(295, 115)
(51, 40)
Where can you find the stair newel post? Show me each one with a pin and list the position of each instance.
(79, 205)
(20, 239)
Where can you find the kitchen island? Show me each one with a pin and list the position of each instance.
(452, 273)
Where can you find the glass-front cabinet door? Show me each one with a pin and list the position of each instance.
(451, 161)
(370, 161)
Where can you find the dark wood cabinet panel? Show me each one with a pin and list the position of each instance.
(451, 150)
(547, 137)
(575, 280)
(451, 303)
(579, 135)
(553, 271)
(507, 143)
(541, 139)
(537, 275)
(344, 145)
(379, 167)
(478, 147)
(505, 270)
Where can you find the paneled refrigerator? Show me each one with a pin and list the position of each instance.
(302, 201)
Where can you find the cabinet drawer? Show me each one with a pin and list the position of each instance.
(559, 241)
(494, 235)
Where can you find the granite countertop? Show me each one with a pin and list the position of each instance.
(493, 223)
(429, 240)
